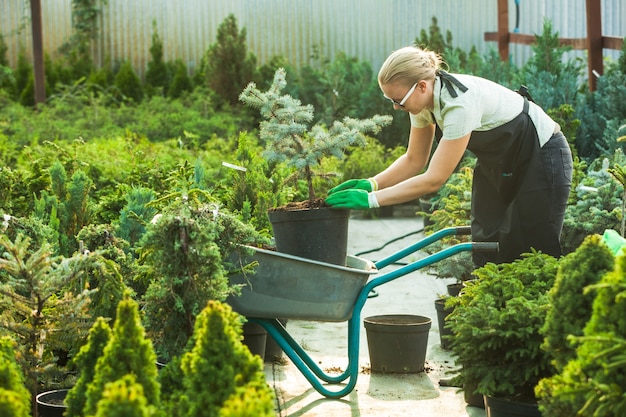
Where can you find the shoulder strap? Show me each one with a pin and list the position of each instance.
(447, 80)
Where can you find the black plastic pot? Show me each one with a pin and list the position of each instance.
(255, 337)
(51, 403)
(397, 343)
(502, 407)
(319, 234)
(273, 352)
(444, 332)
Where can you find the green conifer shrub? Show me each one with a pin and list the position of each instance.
(128, 84)
(602, 112)
(219, 366)
(38, 312)
(592, 384)
(181, 82)
(128, 352)
(186, 250)
(496, 322)
(570, 310)
(15, 399)
(124, 398)
(289, 139)
(157, 73)
(227, 65)
(85, 362)
(252, 191)
(67, 208)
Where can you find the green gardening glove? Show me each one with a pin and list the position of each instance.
(368, 185)
(352, 199)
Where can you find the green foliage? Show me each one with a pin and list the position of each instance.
(181, 82)
(128, 84)
(136, 214)
(496, 322)
(452, 207)
(581, 268)
(7, 79)
(227, 64)
(67, 208)
(85, 361)
(602, 113)
(592, 383)
(596, 207)
(157, 74)
(124, 398)
(569, 298)
(185, 251)
(24, 79)
(36, 312)
(289, 139)
(77, 50)
(128, 352)
(250, 192)
(15, 399)
(219, 370)
(551, 81)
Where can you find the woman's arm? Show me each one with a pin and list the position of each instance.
(412, 162)
(443, 163)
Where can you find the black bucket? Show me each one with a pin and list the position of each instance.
(397, 343)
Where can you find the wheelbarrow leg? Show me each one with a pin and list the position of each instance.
(307, 366)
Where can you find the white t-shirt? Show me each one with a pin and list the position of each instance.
(484, 106)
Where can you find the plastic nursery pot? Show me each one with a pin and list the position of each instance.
(444, 332)
(255, 337)
(51, 403)
(320, 234)
(502, 407)
(397, 343)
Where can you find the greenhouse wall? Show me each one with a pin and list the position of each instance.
(366, 29)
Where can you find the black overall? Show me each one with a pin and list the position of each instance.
(512, 193)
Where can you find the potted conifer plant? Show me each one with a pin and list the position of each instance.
(306, 228)
(496, 323)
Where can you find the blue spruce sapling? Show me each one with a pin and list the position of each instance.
(289, 138)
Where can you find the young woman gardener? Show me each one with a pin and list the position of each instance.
(523, 173)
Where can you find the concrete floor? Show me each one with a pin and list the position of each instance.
(375, 394)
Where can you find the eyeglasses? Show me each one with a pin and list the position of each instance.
(406, 97)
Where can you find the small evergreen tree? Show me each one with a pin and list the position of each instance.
(219, 367)
(592, 384)
(128, 83)
(15, 400)
(568, 298)
(85, 361)
(287, 137)
(124, 398)
(157, 74)
(37, 312)
(227, 65)
(181, 82)
(67, 208)
(128, 352)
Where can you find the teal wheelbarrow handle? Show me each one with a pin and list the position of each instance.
(307, 366)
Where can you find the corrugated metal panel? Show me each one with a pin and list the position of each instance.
(367, 29)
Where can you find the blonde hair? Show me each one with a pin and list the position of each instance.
(409, 65)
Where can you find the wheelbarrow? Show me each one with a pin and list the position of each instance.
(290, 287)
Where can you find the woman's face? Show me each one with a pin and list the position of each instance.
(412, 98)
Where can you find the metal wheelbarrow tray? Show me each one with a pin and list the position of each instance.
(285, 286)
(290, 287)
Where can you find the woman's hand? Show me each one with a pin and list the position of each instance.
(368, 185)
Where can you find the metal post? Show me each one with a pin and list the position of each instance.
(38, 65)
